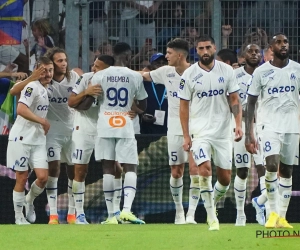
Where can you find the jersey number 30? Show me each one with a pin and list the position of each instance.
(117, 97)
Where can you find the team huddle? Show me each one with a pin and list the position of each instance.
(62, 118)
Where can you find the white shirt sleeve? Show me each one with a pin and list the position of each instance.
(77, 89)
(141, 93)
(28, 94)
(157, 75)
(255, 85)
(185, 90)
(233, 85)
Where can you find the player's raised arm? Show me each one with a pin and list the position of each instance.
(18, 87)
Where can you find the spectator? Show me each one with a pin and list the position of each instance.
(41, 30)
(268, 54)
(172, 14)
(226, 31)
(9, 54)
(227, 56)
(157, 99)
(138, 23)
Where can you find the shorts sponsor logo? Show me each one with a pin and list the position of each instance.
(117, 121)
(28, 91)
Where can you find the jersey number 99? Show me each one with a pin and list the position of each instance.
(117, 97)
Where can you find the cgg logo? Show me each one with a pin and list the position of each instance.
(117, 121)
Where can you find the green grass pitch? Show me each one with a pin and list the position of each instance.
(151, 236)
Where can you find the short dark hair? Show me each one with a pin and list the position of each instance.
(44, 60)
(108, 60)
(227, 55)
(180, 44)
(206, 38)
(121, 48)
(276, 34)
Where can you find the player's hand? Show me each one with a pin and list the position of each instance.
(251, 144)
(132, 114)
(226, 30)
(148, 118)
(238, 134)
(37, 72)
(19, 75)
(235, 65)
(46, 125)
(94, 90)
(187, 143)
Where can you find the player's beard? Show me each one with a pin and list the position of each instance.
(208, 60)
(280, 56)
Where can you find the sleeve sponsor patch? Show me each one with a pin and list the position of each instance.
(28, 91)
(78, 81)
(181, 84)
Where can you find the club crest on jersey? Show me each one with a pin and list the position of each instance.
(293, 77)
(28, 91)
(181, 84)
(221, 80)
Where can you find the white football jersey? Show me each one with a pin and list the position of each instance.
(168, 76)
(86, 120)
(121, 86)
(35, 97)
(210, 116)
(278, 89)
(60, 115)
(243, 79)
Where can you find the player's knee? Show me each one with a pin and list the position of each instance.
(43, 178)
(177, 171)
(205, 169)
(81, 173)
(242, 173)
(22, 178)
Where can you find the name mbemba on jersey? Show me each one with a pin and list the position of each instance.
(118, 79)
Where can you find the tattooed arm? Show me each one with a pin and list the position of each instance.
(236, 109)
(250, 142)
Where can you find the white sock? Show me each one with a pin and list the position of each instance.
(240, 194)
(78, 189)
(108, 189)
(117, 194)
(285, 192)
(34, 192)
(271, 186)
(207, 195)
(71, 204)
(18, 199)
(129, 190)
(219, 191)
(51, 190)
(262, 199)
(176, 186)
(194, 195)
